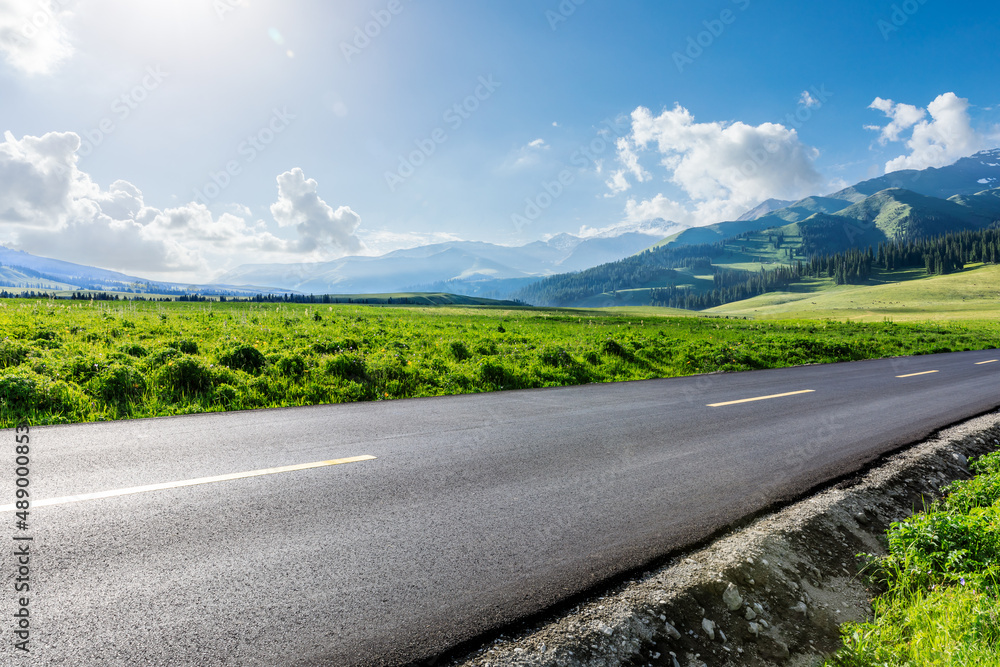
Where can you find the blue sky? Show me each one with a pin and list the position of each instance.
(181, 139)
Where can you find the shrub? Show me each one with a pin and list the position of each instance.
(120, 384)
(12, 353)
(226, 395)
(137, 351)
(243, 358)
(556, 357)
(291, 365)
(347, 367)
(496, 376)
(25, 395)
(615, 349)
(186, 375)
(186, 346)
(459, 350)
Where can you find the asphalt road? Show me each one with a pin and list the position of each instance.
(477, 511)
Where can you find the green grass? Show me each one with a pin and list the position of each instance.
(66, 361)
(970, 294)
(941, 578)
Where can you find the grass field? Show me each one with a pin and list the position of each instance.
(941, 583)
(66, 361)
(970, 294)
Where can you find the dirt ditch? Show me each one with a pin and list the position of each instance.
(773, 593)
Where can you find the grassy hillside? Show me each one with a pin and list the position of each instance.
(971, 294)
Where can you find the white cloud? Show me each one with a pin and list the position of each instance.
(807, 100)
(903, 117)
(617, 183)
(380, 242)
(33, 35)
(723, 168)
(652, 227)
(49, 207)
(538, 143)
(319, 226)
(937, 142)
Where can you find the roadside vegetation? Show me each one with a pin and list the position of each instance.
(77, 361)
(941, 578)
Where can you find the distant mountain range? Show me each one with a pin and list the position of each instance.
(460, 267)
(964, 195)
(23, 270)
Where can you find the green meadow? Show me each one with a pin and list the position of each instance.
(905, 296)
(76, 361)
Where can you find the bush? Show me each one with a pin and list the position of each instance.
(226, 395)
(459, 350)
(291, 365)
(12, 353)
(186, 375)
(556, 357)
(243, 358)
(137, 351)
(496, 376)
(613, 348)
(25, 396)
(120, 384)
(347, 367)
(186, 346)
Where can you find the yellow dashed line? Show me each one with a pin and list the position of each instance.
(187, 482)
(991, 361)
(761, 398)
(913, 375)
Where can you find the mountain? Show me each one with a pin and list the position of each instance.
(768, 206)
(730, 256)
(21, 269)
(466, 267)
(967, 176)
(720, 231)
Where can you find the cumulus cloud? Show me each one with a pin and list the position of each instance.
(319, 226)
(945, 137)
(723, 168)
(51, 208)
(33, 36)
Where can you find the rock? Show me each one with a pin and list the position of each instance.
(722, 636)
(801, 608)
(757, 608)
(732, 598)
(755, 629)
(774, 649)
(671, 631)
(709, 627)
(861, 518)
(750, 614)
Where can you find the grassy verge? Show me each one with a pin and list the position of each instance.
(941, 579)
(64, 362)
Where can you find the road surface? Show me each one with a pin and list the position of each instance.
(153, 545)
